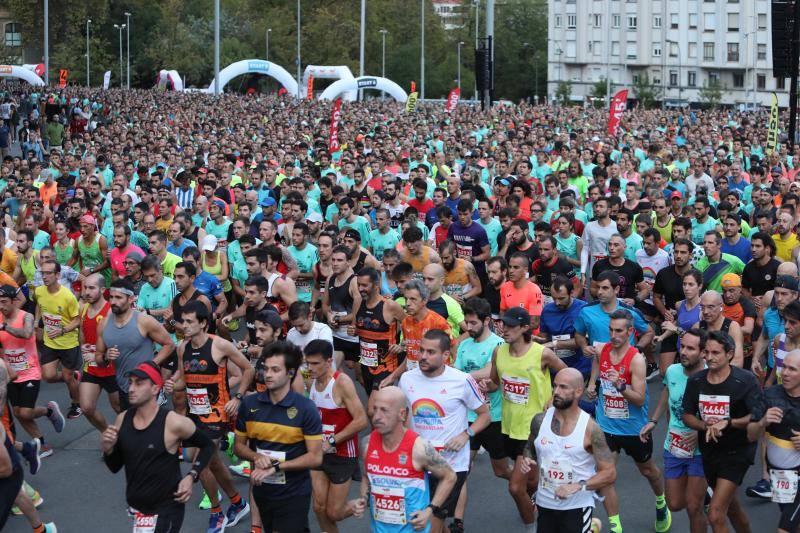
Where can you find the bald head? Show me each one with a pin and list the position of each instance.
(787, 268)
(95, 280)
(394, 396)
(571, 376)
(711, 298)
(434, 270)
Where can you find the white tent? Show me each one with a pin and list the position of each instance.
(22, 73)
(364, 82)
(256, 66)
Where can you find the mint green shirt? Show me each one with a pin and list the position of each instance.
(473, 356)
(382, 242)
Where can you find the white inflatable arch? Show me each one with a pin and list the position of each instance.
(364, 82)
(256, 66)
(11, 71)
(340, 72)
(170, 76)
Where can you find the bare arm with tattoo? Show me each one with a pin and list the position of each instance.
(25, 331)
(603, 457)
(529, 451)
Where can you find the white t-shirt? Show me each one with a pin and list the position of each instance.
(651, 265)
(317, 331)
(439, 408)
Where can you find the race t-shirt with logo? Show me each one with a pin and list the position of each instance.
(57, 310)
(383, 241)
(472, 356)
(651, 266)
(675, 442)
(306, 259)
(438, 409)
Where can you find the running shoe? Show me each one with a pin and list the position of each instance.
(236, 512)
(205, 503)
(33, 494)
(762, 489)
(30, 452)
(55, 416)
(652, 372)
(50, 527)
(457, 526)
(46, 451)
(242, 469)
(216, 523)
(226, 445)
(74, 411)
(663, 519)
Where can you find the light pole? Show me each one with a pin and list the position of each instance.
(680, 87)
(46, 42)
(216, 48)
(120, 28)
(477, 6)
(460, 44)
(298, 49)
(269, 30)
(88, 21)
(383, 52)
(361, 44)
(422, 51)
(128, 47)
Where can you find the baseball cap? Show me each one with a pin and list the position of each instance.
(352, 234)
(675, 194)
(268, 201)
(148, 370)
(8, 291)
(730, 280)
(503, 181)
(517, 316)
(787, 282)
(135, 256)
(220, 203)
(314, 217)
(268, 316)
(209, 243)
(777, 169)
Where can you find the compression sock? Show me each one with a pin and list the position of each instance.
(40, 528)
(236, 499)
(660, 501)
(216, 509)
(614, 523)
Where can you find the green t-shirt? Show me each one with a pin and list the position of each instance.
(306, 259)
(699, 229)
(237, 262)
(41, 240)
(220, 231)
(169, 263)
(157, 298)
(361, 225)
(382, 242)
(493, 229)
(713, 272)
(473, 356)
(633, 242)
(675, 380)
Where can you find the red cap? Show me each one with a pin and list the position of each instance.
(148, 370)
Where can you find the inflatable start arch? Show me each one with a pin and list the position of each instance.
(11, 71)
(256, 66)
(341, 72)
(364, 82)
(170, 79)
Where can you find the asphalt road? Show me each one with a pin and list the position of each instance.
(81, 494)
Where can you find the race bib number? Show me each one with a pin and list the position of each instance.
(199, 404)
(389, 505)
(411, 364)
(784, 485)
(563, 353)
(516, 390)
(303, 285)
(369, 354)
(144, 523)
(52, 323)
(88, 351)
(678, 445)
(714, 407)
(17, 360)
(614, 404)
(555, 473)
(463, 252)
(278, 478)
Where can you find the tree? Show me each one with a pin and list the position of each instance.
(563, 92)
(599, 92)
(711, 92)
(647, 93)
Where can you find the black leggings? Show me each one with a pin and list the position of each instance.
(790, 515)
(9, 489)
(170, 519)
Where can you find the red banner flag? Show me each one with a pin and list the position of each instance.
(452, 100)
(310, 91)
(336, 115)
(618, 106)
(63, 76)
(413, 86)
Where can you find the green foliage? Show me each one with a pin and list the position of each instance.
(647, 93)
(599, 91)
(563, 92)
(711, 93)
(179, 34)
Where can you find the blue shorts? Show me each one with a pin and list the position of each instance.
(677, 467)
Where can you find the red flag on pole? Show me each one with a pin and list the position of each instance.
(618, 105)
(333, 144)
(63, 76)
(413, 86)
(452, 100)
(310, 91)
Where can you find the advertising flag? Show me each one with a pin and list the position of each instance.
(452, 100)
(106, 79)
(618, 105)
(411, 103)
(63, 76)
(310, 90)
(772, 135)
(336, 115)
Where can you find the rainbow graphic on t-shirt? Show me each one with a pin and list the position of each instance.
(426, 408)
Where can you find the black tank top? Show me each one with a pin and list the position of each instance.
(152, 473)
(177, 307)
(206, 383)
(339, 295)
(726, 325)
(193, 235)
(250, 321)
(362, 260)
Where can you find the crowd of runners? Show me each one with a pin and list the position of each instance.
(251, 303)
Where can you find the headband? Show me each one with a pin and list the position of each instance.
(122, 290)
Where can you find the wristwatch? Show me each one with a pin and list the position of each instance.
(276, 465)
(622, 387)
(332, 440)
(582, 484)
(470, 433)
(238, 396)
(195, 475)
(438, 512)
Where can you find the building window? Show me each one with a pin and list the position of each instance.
(708, 51)
(673, 49)
(692, 50)
(614, 48)
(656, 21)
(635, 78)
(572, 22)
(598, 21)
(673, 78)
(762, 21)
(733, 21)
(709, 21)
(673, 21)
(657, 77)
(615, 21)
(780, 83)
(738, 79)
(761, 81)
(598, 48)
(733, 52)
(571, 49)
(713, 78)
(656, 49)
(692, 20)
(762, 51)
(13, 31)
(692, 78)
(558, 21)
(631, 22)
(631, 50)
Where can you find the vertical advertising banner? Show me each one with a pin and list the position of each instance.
(452, 100)
(618, 105)
(772, 134)
(336, 115)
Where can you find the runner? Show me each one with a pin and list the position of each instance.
(203, 371)
(343, 417)
(550, 265)
(716, 264)
(305, 329)
(557, 330)
(461, 281)
(574, 457)
(145, 440)
(622, 413)
(155, 296)
(519, 291)
(285, 441)
(718, 403)
(95, 379)
(712, 319)
(439, 301)
(185, 275)
(91, 253)
(595, 238)
(394, 488)
(340, 302)
(521, 368)
(685, 481)
(306, 256)
(496, 273)
(282, 290)
(667, 296)
(57, 310)
(416, 253)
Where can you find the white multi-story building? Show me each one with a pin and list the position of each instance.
(680, 44)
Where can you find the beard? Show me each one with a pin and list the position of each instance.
(477, 334)
(562, 403)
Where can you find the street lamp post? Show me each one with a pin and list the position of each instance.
(460, 44)
(383, 33)
(88, 21)
(128, 47)
(46, 42)
(120, 28)
(269, 30)
(217, 89)
(477, 6)
(422, 51)
(298, 49)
